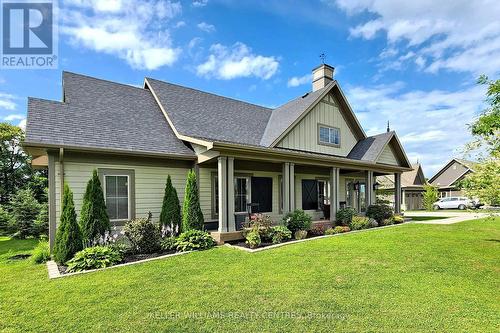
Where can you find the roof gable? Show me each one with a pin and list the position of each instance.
(103, 115)
(284, 118)
(451, 172)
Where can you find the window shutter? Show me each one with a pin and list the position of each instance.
(262, 194)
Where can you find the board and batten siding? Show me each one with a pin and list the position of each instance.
(304, 136)
(149, 184)
(388, 157)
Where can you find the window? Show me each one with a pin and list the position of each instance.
(119, 193)
(329, 135)
(215, 196)
(117, 197)
(323, 193)
(241, 193)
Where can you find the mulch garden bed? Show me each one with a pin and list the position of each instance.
(241, 242)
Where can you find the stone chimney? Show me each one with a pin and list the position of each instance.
(322, 75)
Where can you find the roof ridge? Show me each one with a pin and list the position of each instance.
(103, 80)
(208, 93)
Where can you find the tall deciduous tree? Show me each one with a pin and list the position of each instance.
(68, 235)
(170, 216)
(94, 220)
(430, 196)
(484, 182)
(15, 171)
(192, 216)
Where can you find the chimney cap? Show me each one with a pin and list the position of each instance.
(323, 65)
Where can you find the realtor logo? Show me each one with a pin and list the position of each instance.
(28, 34)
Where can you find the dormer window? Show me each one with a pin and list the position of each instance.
(328, 135)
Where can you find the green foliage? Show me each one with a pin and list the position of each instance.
(397, 219)
(297, 220)
(25, 209)
(41, 253)
(360, 222)
(68, 235)
(192, 216)
(6, 222)
(93, 258)
(253, 239)
(94, 220)
(143, 234)
(280, 233)
(170, 216)
(379, 212)
(344, 215)
(484, 182)
(41, 223)
(262, 224)
(486, 129)
(388, 221)
(318, 230)
(168, 244)
(300, 234)
(193, 240)
(430, 196)
(15, 170)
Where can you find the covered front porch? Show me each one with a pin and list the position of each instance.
(231, 187)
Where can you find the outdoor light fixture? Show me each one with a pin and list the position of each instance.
(376, 186)
(356, 186)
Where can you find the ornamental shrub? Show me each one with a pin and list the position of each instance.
(41, 253)
(253, 239)
(194, 240)
(25, 209)
(280, 233)
(379, 212)
(300, 234)
(143, 234)
(397, 219)
(337, 230)
(68, 235)
(344, 215)
(94, 220)
(168, 244)
(262, 224)
(170, 217)
(297, 220)
(359, 222)
(318, 230)
(192, 216)
(93, 258)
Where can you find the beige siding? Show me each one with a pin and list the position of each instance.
(388, 157)
(449, 175)
(149, 184)
(304, 136)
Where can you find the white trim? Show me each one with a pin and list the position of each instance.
(129, 210)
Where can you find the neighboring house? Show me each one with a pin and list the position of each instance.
(310, 153)
(412, 188)
(447, 178)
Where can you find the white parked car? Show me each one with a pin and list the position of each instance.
(453, 203)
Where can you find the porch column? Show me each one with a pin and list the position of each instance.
(403, 198)
(292, 186)
(369, 193)
(334, 192)
(397, 193)
(225, 179)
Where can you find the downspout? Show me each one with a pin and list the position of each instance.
(61, 175)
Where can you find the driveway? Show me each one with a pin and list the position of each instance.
(453, 216)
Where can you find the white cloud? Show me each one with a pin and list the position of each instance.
(432, 125)
(204, 26)
(180, 24)
(22, 124)
(237, 61)
(7, 101)
(12, 117)
(200, 3)
(299, 80)
(132, 30)
(456, 35)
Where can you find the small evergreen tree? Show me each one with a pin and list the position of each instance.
(192, 217)
(94, 220)
(430, 196)
(25, 209)
(170, 216)
(68, 235)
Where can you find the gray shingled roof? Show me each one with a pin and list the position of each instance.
(102, 114)
(199, 114)
(370, 148)
(284, 116)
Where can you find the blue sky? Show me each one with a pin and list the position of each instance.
(414, 63)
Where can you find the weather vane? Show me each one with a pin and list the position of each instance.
(322, 56)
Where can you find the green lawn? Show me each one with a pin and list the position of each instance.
(426, 218)
(412, 277)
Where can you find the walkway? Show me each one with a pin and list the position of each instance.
(453, 216)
